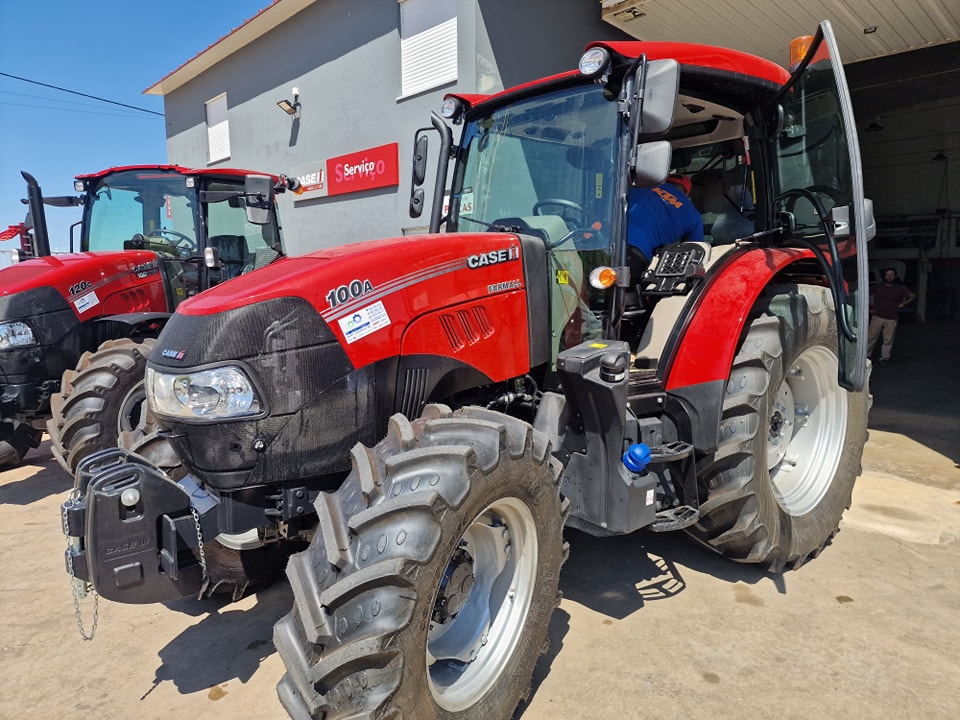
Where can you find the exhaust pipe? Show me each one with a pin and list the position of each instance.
(41, 240)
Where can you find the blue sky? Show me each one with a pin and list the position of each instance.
(113, 49)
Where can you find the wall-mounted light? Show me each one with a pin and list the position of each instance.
(291, 107)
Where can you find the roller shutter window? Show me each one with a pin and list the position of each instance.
(218, 129)
(428, 44)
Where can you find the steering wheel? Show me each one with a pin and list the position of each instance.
(184, 242)
(578, 222)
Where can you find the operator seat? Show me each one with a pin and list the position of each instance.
(721, 197)
(233, 253)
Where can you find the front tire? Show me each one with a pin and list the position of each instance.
(101, 398)
(428, 588)
(17, 438)
(790, 439)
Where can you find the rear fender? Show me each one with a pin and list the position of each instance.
(132, 324)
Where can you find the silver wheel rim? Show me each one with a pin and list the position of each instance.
(481, 606)
(806, 431)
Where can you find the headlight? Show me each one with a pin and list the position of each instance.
(16, 334)
(223, 392)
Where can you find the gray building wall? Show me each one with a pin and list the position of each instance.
(344, 57)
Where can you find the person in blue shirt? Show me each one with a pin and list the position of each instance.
(659, 216)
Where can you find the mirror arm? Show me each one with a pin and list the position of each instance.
(446, 144)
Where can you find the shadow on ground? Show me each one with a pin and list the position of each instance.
(918, 393)
(49, 480)
(616, 576)
(228, 643)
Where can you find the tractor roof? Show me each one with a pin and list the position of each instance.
(694, 60)
(210, 172)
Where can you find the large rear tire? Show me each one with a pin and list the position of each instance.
(790, 439)
(101, 398)
(429, 585)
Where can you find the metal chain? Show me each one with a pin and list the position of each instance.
(203, 557)
(76, 582)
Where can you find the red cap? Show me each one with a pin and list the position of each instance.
(682, 180)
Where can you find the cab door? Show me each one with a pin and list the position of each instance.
(818, 188)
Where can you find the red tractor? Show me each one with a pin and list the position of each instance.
(526, 379)
(76, 329)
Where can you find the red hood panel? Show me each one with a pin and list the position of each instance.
(369, 292)
(84, 279)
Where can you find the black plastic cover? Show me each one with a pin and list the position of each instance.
(317, 406)
(57, 327)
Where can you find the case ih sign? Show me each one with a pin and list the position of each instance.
(364, 170)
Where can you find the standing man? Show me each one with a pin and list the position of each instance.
(886, 299)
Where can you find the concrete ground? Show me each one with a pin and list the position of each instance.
(650, 625)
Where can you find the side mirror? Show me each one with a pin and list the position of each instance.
(659, 98)
(259, 193)
(416, 203)
(419, 173)
(651, 163)
(420, 160)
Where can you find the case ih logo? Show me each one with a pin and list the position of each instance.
(493, 257)
(173, 354)
(311, 182)
(146, 269)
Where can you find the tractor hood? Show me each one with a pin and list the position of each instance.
(369, 293)
(80, 278)
(335, 341)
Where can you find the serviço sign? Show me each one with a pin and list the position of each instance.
(364, 170)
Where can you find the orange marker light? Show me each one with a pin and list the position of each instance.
(603, 277)
(799, 48)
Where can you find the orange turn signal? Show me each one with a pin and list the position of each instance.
(603, 277)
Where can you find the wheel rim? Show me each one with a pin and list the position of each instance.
(481, 606)
(132, 408)
(806, 432)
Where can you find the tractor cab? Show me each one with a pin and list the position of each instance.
(765, 155)
(196, 221)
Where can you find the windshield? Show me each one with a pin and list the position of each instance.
(547, 163)
(154, 203)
